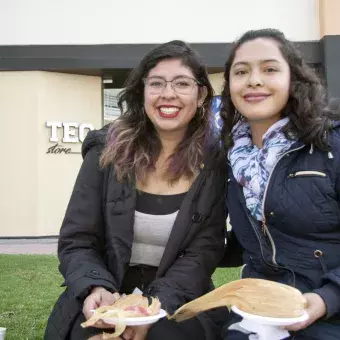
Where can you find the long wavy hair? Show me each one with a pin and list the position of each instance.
(307, 107)
(133, 145)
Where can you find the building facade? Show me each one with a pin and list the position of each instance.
(62, 64)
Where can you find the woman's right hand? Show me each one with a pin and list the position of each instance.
(99, 296)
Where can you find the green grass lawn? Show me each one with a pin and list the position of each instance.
(29, 287)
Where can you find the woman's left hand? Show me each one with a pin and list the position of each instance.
(316, 309)
(135, 332)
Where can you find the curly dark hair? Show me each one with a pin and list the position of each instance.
(307, 107)
(133, 145)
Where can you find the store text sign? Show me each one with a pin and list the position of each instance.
(71, 133)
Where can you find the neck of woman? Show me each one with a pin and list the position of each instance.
(170, 141)
(259, 128)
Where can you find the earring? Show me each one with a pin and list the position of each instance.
(202, 112)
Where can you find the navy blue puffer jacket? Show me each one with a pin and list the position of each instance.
(299, 241)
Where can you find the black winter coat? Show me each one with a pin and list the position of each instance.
(97, 232)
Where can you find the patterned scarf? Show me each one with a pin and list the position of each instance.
(251, 165)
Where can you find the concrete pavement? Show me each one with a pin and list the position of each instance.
(29, 246)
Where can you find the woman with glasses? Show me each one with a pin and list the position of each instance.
(148, 206)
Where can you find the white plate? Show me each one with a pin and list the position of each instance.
(270, 321)
(138, 321)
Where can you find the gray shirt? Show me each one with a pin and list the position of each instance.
(151, 234)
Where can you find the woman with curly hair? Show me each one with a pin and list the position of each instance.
(282, 142)
(148, 207)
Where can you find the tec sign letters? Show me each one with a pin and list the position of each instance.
(72, 133)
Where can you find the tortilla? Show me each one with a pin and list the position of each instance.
(127, 306)
(254, 296)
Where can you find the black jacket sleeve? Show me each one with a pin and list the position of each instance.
(81, 239)
(190, 275)
(330, 292)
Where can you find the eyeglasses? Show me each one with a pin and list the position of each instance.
(181, 85)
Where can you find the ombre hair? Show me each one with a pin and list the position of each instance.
(133, 145)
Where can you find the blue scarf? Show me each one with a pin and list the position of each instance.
(252, 166)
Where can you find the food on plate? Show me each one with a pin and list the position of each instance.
(253, 296)
(128, 306)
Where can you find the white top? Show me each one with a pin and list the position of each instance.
(151, 234)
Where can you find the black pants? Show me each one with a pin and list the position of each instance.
(171, 330)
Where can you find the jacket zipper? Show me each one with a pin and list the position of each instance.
(259, 239)
(265, 229)
(255, 228)
(256, 233)
(307, 173)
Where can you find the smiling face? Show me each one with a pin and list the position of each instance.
(259, 80)
(170, 111)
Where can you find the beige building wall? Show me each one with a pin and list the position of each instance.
(36, 186)
(19, 157)
(329, 11)
(38, 22)
(217, 82)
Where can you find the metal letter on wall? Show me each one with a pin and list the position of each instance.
(69, 133)
(54, 128)
(82, 127)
